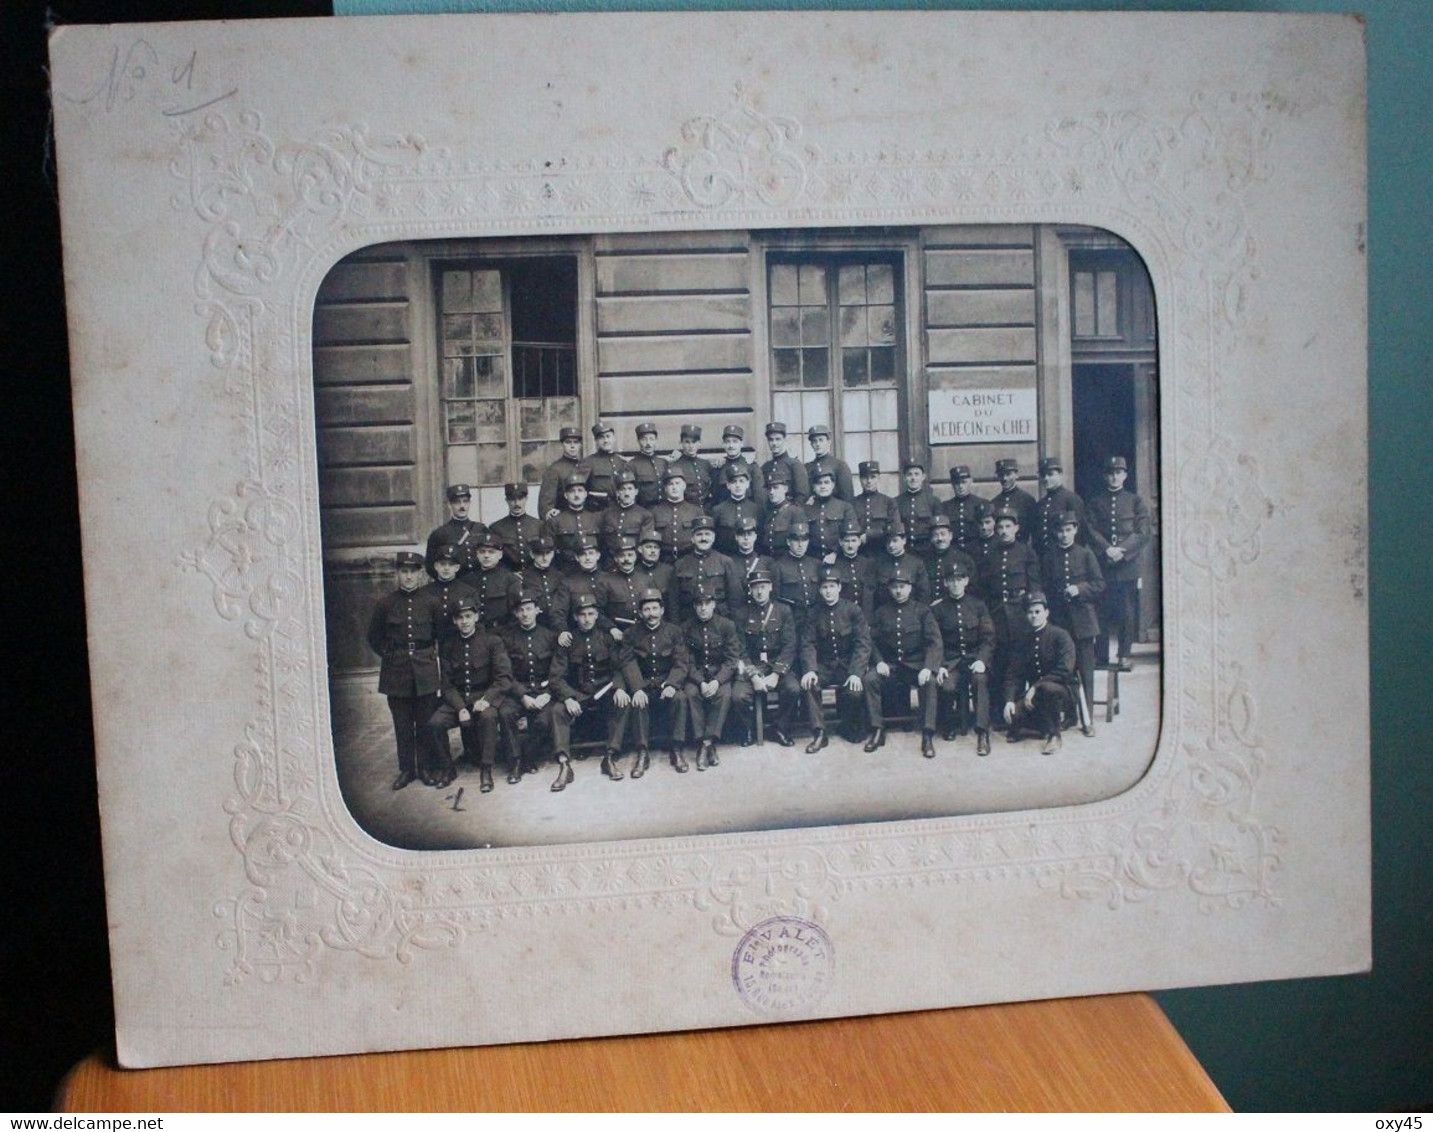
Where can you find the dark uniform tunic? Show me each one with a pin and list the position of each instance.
(1076, 566)
(715, 653)
(530, 651)
(459, 533)
(1022, 504)
(549, 492)
(858, 581)
(449, 593)
(496, 592)
(567, 528)
(515, 532)
(778, 522)
(698, 474)
(717, 488)
(917, 509)
(403, 631)
(619, 596)
(649, 471)
(565, 599)
(587, 671)
(907, 638)
(826, 517)
(768, 639)
(836, 646)
(651, 660)
(673, 524)
(1049, 511)
(1006, 575)
(964, 525)
(713, 571)
(1045, 661)
(659, 576)
(601, 492)
(839, 469)
(886, 565)
(1118, 518)
(939, 562)
(800, 483)
(797, 583)
(475, 668)
(619, 522)
(967, 634)
(728, 513)
(543, 584)
(876, 513)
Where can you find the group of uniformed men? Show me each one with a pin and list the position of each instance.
(682, 588)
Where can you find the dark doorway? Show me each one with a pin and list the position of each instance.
(1104, 410)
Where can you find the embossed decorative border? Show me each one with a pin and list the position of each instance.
(271, 214)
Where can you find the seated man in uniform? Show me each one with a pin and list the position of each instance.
(587, 681)
(654, 668)
(404, 631)
(967, 638)
(906, 650)
(835, 653)
(530, 647)
(1040, 678)
(715, 653)
(476, 678)
(768, 639)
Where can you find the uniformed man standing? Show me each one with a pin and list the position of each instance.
(736, 507)
(517, 528)
(647, 466)
(819, 437)
(968, 641)
(1056, 501)
(541, 576)
(1118, 533)
(1073, 582)
(943, 553)
(530, 647)
(625, 517)
(601, 466)
(747, 558)
(1014, 498)
(715, 652)
(550, 490)
(656, 574)
(826, 515)
(494, 586)
(906, 652)
(673, 517)
(619, 590)
(1040, 677)
(781, 513)
(768, 637)
(476, 679)
(916, 505)
(404, 631)
(897, 558)
(1009, 572)
(457, 532)
(876, 510)
(857, 571)
(583, 580)
(963, 509)
(448, 586)
(587, 678)
(799, 487)
(695, 472)
(574, 523)
(835, 653)
(798, 576)
(654, 667)
(733, 440)
(705, 567)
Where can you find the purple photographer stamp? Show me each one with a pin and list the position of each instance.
(783, 965)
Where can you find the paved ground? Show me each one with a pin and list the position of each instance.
(759, 787)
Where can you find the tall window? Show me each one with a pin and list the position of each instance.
(836, 353)
(509, 361)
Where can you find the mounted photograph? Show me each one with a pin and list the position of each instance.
(828, 509)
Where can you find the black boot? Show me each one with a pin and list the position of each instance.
(780, 738)
(877, 739)
(818, 742)
(485, 779)
(928, 744)
(982, 742)
(564, 774)
(609, 766)
(711, 752)
(679, 764)
(641, 762)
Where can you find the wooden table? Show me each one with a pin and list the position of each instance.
(1112, 1053)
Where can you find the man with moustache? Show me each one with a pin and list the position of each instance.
(799, 486)
(835, 653)
(654, 665)
(458, 532)
(404, 631)
(906, 651)
(968, 643)
(476, 676)
(647, 466)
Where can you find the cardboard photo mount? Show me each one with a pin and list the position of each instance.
(212, 174)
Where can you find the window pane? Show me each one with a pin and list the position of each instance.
(457, 378)
(492, 463)
(487, 291)
(852, 285)
(883, 365)
(783, 285)
(457, 291)
(883, 326)
(462, 464)
(815, 409)
(462, 422)
(881, 283)
(1084, 304)
(856, 412)
(887, 449)
(457, 334)
(491, 422)
(884, 409)
(532, 420)
(786, 326)
(858, 448)
(561, 411)
(813, 285)
(492, 504)
(488, 376)
(815, 368)
(855, 370)
(1107, 307)
(536, 456)
(786, 407)
(853, 326)
(787, 373)
(815, 326)
(488, 333)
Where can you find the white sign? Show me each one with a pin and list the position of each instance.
(982, 416)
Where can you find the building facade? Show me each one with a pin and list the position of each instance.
(457, 361)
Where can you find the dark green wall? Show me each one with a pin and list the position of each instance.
(1363, 1042)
